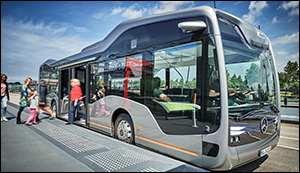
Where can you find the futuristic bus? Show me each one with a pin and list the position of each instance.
(198, 84)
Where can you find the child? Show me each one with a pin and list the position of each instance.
(32, 108)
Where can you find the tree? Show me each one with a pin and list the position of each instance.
(282, 80)
(292, 71)
(229, 83)
(289, 76)
(252, 74)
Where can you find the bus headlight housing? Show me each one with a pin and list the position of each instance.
(235, 139)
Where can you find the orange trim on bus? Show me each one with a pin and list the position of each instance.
(153, 141)
(99, 125)
(166, 145)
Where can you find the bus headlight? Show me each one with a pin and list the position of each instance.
(232, 139)
(235, 139)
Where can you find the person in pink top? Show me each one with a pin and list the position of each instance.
(4, 96)
(75, 97)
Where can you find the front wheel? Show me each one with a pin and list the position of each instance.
(124, 130)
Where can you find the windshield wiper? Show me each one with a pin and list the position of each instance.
(272, 107)
(239, 116)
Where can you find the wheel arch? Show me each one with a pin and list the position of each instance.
(117, 113)
(114, 117)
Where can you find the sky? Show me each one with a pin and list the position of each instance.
(34, 31)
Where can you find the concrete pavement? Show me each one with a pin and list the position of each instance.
(51, 146)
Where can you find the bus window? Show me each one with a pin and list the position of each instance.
(96, 76)
(177, 69)
(50, 75)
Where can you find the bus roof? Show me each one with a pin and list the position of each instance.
(93, 51)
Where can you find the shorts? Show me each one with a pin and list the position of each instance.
(42, 105)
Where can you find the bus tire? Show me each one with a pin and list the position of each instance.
(124, 130)
(54, 108)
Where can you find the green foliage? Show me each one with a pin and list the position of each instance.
(252, 74)
(289, 79)
(178, 83)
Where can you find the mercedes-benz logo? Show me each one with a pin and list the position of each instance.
(263, 125)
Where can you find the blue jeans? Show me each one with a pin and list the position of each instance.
(80, 113)
(4, 104)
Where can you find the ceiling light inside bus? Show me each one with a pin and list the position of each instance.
(191, 26)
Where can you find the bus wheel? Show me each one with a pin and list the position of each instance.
(54, 108)
(124, 129)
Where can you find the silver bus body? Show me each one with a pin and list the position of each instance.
(235, 136)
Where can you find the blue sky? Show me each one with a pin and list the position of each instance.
(34, 31)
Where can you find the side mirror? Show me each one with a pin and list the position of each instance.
(192, 26)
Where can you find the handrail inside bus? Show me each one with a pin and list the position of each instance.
(175, 70)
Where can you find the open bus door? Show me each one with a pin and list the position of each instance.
(65, 88)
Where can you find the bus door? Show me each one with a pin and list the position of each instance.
(80, 73)
(64, 90)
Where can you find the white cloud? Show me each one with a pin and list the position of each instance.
(292, 5)
(98, 15)
(131, 12)
(166, 6)
(238, 2)
(281, 53)
(255, 8)
(274, 20)
(117, 10)
(135, 10)
(282, 57)
(294, 12)
(25, 45)
(295, 57)
(287, 5)
(294, 38)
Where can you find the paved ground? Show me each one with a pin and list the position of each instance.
(290, 115)
(51, 146)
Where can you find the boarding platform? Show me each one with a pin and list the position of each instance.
(52, 146)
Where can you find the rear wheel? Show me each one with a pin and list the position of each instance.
(124, 130)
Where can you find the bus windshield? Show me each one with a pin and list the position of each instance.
(250, 74)
(250, 81)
